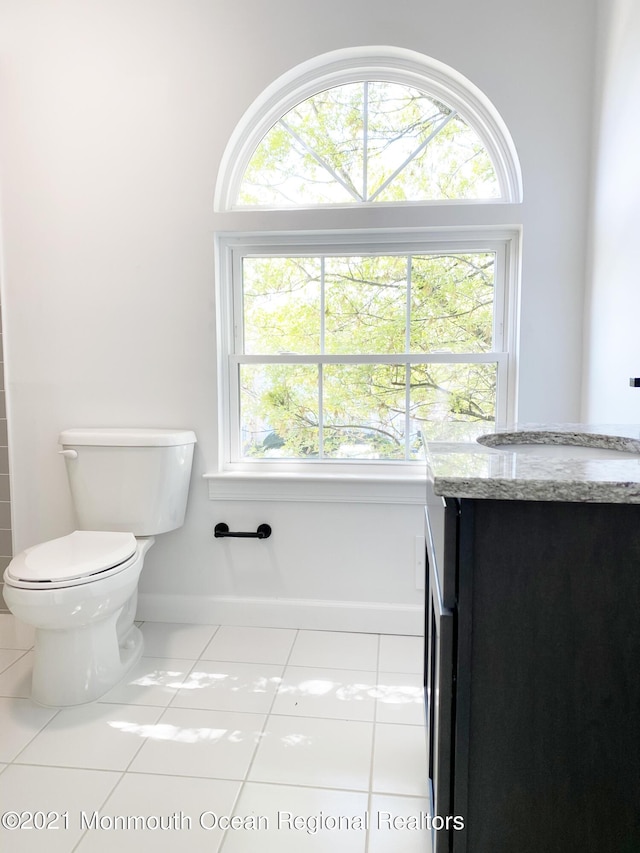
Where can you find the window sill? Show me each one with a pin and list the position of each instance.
(338, 487)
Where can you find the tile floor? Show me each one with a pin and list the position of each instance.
(288, 732)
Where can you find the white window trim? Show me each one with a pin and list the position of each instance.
(319, 486)
(318, 480)
(352, 65)
(455, 222)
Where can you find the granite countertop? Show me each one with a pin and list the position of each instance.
(459, 466)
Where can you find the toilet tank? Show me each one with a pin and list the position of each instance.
(134, 480)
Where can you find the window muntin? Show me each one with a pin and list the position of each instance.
(350, 356)
(364, 142)
(310, 364)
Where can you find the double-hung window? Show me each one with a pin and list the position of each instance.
(350, 345)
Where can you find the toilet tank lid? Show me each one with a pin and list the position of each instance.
(126, 437)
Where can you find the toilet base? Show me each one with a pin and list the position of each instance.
(78, 666)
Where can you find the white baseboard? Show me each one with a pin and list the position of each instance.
(359, 616)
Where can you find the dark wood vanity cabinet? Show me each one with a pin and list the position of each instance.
(532, 675)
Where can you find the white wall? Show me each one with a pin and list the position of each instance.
(113, 118)
(612, 351)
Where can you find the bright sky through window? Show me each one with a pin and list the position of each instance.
(344, 341)
(338, 352)
(365, 143)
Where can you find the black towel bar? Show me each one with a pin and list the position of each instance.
(222, 530)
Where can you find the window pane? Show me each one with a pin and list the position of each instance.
(279, 410)
(450, 393)
(365, 305)
(454, 164)
(452, 300)
(370, 141)
(364, 411)
(281, 305)
(313, 155)
(363, 408)
(400, 120)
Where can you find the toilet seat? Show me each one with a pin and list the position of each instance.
(77, 558)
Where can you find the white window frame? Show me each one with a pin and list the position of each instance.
(463, 224)
(233, 247)
(352, 65)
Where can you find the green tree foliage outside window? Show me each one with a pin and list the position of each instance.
(369, 307)
(355, 356)
(368, 142)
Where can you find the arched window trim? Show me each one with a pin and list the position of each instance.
(394, 65)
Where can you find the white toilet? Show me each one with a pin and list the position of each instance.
(80, 591)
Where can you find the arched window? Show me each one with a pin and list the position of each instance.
(385, 111)
(344, 346)
(368, 142)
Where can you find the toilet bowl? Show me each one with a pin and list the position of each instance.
(80, 591)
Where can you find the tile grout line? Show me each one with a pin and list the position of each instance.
(124, 772)
(100, 807)
(373, 747)
(9, 665)
(34, 736)
(188, 672)
(163, 708)
(255, 751)
(191, 664)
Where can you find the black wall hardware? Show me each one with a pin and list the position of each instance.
(635, 382)
(222, 530)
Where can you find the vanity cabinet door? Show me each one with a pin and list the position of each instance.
(547, 693)
(439, 687)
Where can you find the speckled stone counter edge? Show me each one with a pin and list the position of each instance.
(469, 470)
